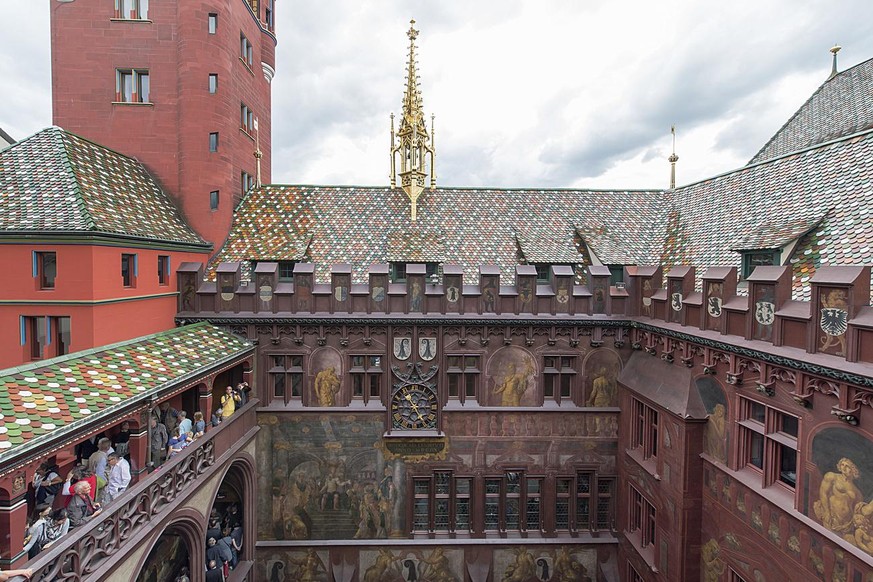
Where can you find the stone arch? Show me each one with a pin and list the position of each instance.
(239, 479)
(188, 526)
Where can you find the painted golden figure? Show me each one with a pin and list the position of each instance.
(327, 384)
(522, 569)
(838, 496)
(437, 567)
(383, 562)
(714, 437)
(515, 383)
(308, 567)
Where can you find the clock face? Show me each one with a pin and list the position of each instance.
(414, 407)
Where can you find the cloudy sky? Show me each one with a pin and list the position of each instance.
(545, 93)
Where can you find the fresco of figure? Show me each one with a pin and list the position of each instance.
(383, 562)
(603, 389)
(713, 438)
(327, 384)
(713, 567)
(863, 525)
(566, 568)
(515, 383)
(838, 496)
(522, 569)
(437, 567)
(308, 567)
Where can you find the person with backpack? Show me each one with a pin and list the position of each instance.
(36, 533)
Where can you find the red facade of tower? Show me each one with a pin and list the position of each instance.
(177, 85)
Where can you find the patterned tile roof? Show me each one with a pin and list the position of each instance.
(41, 398)
(57, 181)
(826, 189)
(841, 106)
(466, 226)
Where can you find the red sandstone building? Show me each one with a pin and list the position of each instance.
(520, 397)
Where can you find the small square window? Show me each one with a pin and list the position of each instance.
(132, 9)
(286, 270)
(213, 200)
(213, 141)
(213, 23)
(131, 86)
(213, 83)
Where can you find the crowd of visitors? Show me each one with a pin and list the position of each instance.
(102, 473)
(224, 540)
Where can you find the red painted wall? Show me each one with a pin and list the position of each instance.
(170, 135)
(87, 274)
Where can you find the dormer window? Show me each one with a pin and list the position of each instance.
(398, 270)
(759, 258)
(543, 270)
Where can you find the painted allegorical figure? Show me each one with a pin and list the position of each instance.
(515, 383)
(838, 496)
(522, 569)
(714, 437)
(383, 562)
(327, 384)
(437, 567)
(603, 389)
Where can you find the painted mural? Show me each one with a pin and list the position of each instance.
(714, 438)
(514, 424)
(165, 561)
(329, 481)
(512, 372)
(844, 503)
(424, 565)
(297, 566)
(327, 364)
(601, 370)
(530, 564)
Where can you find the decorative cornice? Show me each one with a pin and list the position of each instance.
(775, 359)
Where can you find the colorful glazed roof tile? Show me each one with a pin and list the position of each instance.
(821, 195)
(57, 181)
(42, 398)
(465, 226)
(841, 106)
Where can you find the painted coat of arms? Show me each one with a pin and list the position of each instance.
(427, 348)
(713, 306)
(834, 321)
(403, 348)
(378, 294)
(765, 312)
(340, 293)
(676, 301)
(452, 294)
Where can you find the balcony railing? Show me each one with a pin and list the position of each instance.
(85, 550)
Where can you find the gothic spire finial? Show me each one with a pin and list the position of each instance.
(673, 159)
(834, 50)
(411, 141)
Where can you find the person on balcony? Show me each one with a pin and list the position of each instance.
(57, 527)
(185, 424)
(213, 572)
(80, 473)
(121, 442)
(199, 424)
(46, 483)
(158, 438)
(35, 540)
(81, 509)
(229, 402)
(119, 477)
(97, 461)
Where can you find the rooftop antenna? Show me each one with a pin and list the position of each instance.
(834, 50)
(673, 159)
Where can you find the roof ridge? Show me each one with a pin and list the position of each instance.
(24, 140)
(91, 224)
(749, 166)
(492, 188)
(801, 108)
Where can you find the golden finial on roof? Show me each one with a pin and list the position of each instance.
(673, 159)
(411, 142)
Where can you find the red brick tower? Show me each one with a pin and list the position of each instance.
(178, 84)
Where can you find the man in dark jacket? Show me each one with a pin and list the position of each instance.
(214, 573)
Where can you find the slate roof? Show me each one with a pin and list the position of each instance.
(465, 226)
(39, 399)
(57, 181)
(841, 106)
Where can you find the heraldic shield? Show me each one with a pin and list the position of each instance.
(765, 312)
(834, 321)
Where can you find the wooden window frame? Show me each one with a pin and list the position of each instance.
(559, 378)
(463, 372)
(366, 370)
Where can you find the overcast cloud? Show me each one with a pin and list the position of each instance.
(546, 93)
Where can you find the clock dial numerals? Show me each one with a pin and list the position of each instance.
(414, 407)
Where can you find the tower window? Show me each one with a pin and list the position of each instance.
(268, 14)
(246, 51)
(213, 200)
(246, 181)
(246, 118)
(132, 9)
(213, 141)
(213, 83)
(213, 23)
(131, 86)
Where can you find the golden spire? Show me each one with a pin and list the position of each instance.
(673, 159)
(413, 144)
(834, 50)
